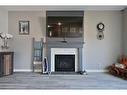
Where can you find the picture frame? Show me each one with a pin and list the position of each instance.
(24, 27)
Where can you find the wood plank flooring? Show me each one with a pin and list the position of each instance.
(62, 81)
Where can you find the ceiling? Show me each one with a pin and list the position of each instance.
(40, 8)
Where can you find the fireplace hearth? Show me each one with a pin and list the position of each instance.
(64, 63)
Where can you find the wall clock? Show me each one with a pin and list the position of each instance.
(100, 28)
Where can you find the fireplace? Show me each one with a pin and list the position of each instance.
(64, 63)
(64, 60)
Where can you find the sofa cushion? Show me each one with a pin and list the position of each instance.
(118, 65)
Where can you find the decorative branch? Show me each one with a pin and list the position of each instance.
(4, 37)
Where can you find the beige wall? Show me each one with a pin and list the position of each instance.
(97, 54)
(22, 44)
(125, 31)
(3, 23)
(101, 53)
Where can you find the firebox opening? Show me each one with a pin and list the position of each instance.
(64, 63)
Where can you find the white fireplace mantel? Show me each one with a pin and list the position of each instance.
(63, 51)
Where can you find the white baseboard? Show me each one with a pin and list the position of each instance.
(38, 70)
(29, 70)
(99, 71)
(22, 70)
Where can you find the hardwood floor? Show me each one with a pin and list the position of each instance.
(62, 81)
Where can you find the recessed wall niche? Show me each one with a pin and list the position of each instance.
(67, 24)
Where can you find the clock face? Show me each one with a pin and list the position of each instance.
(100, 26)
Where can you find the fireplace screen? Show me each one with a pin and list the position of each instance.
(65, 63)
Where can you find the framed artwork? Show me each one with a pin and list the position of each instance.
(24, 27)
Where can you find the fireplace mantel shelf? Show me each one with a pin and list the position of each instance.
(60, 44)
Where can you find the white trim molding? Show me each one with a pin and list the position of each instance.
(22, 70)
(99, 71)
(87, 70)
(63, 51)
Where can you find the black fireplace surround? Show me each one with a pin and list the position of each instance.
(64, 63)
